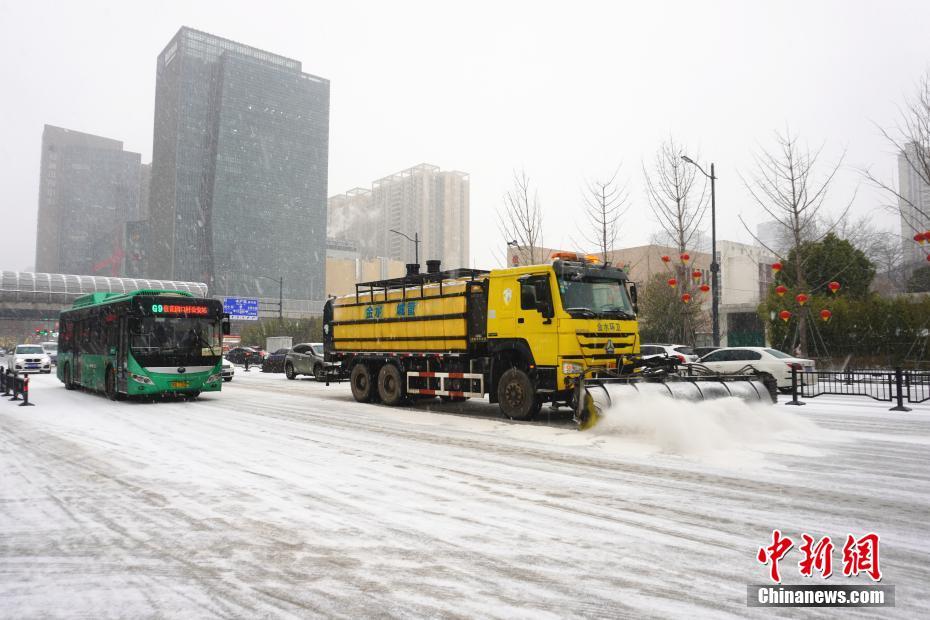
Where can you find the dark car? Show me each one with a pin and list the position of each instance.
(307, 359)
(702, 351)
(240, 354)
(275, 361)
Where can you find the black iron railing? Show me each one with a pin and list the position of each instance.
(898, 385)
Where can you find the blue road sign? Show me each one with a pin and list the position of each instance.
(241, 308)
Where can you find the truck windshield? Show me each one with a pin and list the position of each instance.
(164, 341)
(595, 297)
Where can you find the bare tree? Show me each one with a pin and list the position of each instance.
(787, 186)
(521, 221)
(673, 195)
(605, 202)
(910, 137)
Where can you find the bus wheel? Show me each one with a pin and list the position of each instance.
(289, 371)
(390, 385)
(112, 393)
(69, 384)
(516, 396)
(360, 379)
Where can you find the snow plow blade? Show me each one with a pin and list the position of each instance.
(594, 396)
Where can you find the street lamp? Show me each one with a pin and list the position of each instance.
(416, 243)
(280, 282)
(714, 267)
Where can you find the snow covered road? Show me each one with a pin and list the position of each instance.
(279, 498)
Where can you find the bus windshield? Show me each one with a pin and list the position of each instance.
(169, 341)
(595, 297)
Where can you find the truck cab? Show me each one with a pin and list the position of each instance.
(560, 320)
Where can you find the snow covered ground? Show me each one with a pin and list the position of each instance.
(281, 498)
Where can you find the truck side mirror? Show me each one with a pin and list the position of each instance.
(634, 298)
(225, 325)
(544, 307)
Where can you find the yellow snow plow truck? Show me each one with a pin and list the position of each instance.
(564, 333)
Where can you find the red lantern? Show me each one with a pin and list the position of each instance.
(928, 258)
(685, 257)
(825, 315)
(776, 267)
(834, 286)
(672, 282)
(784, 315)
(920, 238)
(801, 298)
(696, 274)
(704, 288)
(686, 297)
(781, 289)
(666, 258)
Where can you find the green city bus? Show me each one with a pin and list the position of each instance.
(143, 343)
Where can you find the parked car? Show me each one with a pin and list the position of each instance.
(51, 348)
(275, 361)
(238, 355)
(29, 358)
(228, 371)
(685, 354)
(307, 359)
(702, 351)
(763, 359)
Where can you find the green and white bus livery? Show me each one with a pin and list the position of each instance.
(143, 343)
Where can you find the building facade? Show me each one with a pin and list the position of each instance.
(239, 169)
(88, 189)
(422, 201)
(914, 203)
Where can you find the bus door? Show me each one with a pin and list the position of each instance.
(122, 347)
(80, 341)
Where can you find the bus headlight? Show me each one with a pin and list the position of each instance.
(141, 379)
(214, 377)
(572, 368)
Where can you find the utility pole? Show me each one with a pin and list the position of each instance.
(714, 265)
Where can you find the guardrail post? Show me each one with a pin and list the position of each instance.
(26, 402)
(899, 388)
(794, 388)
(15, 386)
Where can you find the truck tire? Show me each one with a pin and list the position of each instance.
(516, 396)
(391, 385)
(360, 379)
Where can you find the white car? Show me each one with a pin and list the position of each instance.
(763, 359)
(228, 371)
(29, 358)
(685, 354)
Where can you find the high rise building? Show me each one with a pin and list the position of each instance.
(914, 203)
(88, 190)
(239, 169)
(422, 201)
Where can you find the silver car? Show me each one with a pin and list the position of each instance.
(307, 359)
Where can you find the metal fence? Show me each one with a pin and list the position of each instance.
(898, 385)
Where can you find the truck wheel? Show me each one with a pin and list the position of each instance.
(360, 379)
(390, 385)
(516, 396)
(289, 371)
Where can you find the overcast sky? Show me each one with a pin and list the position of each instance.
(566, 91)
